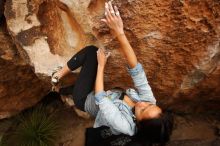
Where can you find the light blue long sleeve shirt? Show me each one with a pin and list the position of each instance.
(110, 111)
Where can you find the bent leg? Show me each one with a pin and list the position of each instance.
(86, 80)
(87, 58)
(75, 62)
(81, 57)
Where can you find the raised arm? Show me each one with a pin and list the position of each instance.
(114, 21)
(116, 119)
(99, 84)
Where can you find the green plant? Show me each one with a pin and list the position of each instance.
(36, 127)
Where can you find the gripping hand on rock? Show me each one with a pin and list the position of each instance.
(113, 19)
(102, 57)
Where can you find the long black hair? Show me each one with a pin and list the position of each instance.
(157, 130)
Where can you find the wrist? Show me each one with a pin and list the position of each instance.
(101, 67)
(119, 32)
(120, 35)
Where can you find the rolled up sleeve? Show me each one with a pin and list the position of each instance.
(141, 83)
(99, 96)
(134, 71)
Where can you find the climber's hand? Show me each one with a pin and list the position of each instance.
(113, 19)
(102, 57)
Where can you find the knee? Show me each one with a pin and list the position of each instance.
(91, 50)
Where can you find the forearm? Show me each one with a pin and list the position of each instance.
(99, 84)
(127, 50)
(114, 22)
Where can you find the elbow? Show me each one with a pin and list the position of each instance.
(129, 132)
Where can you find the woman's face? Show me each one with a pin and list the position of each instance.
(146, 110)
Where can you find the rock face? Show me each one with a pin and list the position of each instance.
(178, 43)
(19, 86)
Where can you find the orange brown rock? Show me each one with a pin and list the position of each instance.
(178, 43)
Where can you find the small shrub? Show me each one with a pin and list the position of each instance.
(36, 127)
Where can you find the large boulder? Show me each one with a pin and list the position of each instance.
(178, 43)
(20, 88)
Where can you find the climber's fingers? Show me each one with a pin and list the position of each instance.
(111, 10)
(108, 54)
(104, 20)
(113, 18)
(117, 13)
(107, 12)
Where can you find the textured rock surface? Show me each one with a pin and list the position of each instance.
(176, 41)
(19, 86)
